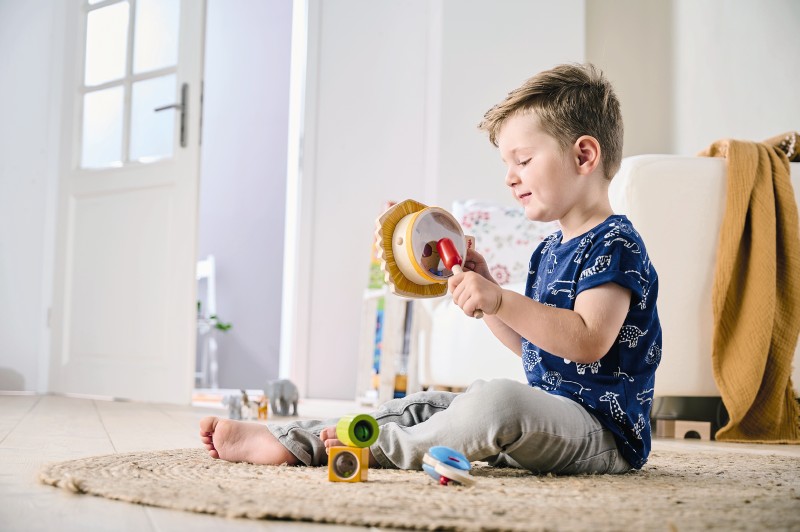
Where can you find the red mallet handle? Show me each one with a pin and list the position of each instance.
(452, 261)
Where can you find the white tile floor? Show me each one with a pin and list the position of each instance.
(36, 429)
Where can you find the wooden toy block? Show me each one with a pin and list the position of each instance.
(348, 464)
(679, 429)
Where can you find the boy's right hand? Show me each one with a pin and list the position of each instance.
(475, 262)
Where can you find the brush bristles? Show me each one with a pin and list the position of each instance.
(384, 233)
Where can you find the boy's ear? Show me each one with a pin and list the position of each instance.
(587, 154)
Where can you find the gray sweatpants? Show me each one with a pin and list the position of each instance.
(504, 422)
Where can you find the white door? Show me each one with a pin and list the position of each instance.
(124, 311)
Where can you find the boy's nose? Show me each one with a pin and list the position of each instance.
(511, 178)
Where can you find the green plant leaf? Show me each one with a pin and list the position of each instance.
(219, 324)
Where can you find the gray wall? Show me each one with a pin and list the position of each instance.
(631, 40)
(243, 179)
(29, 127)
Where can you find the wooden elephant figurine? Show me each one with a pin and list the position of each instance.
(282, 393)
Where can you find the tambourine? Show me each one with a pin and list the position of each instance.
(407, 235)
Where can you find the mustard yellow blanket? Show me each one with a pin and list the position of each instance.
(756, 292)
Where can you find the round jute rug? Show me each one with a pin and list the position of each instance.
(674, 491)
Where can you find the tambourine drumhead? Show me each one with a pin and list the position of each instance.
(414, 244)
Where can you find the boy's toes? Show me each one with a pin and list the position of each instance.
(327, 433)
(208, 424)
(332, 442)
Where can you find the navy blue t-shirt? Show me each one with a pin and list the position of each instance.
(618, 388)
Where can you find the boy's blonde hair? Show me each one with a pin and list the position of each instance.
(571, 101)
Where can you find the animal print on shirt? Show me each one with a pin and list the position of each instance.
(601, 264)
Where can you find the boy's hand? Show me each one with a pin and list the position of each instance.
(472, 291)
(475, 262)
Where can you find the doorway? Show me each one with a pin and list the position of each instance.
(127, 199)
(243, 170)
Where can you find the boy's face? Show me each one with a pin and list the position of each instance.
(541, 177)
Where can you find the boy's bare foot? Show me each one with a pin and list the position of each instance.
(328, 435)
(237, 441)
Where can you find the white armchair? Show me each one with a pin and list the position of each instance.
(669, 198)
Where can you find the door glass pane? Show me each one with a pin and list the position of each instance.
(152, 132)
(106, 43)
(102, 128)
(156, 34)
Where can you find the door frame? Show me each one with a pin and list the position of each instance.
(296, 298)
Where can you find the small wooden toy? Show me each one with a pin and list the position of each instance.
(406, 240)
(282, 394)
(350, 462)
(234, 404)
(248, 407)
(262, 407)
(447, 466)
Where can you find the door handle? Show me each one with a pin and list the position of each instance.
(180, 107)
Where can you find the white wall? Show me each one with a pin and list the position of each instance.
(28, 156)
(736, 70)
(488, 49)
(243, 179)
(689, 72)
(368, 88)
(730, 71)
(396, 90)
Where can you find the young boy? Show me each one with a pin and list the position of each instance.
(586, 329)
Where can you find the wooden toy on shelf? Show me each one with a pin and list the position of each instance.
(406, 238)
(350, 462)
(681, 429)
(447, 466)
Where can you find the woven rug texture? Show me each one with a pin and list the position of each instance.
(674, 491)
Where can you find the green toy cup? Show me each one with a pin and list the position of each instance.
(357, 430)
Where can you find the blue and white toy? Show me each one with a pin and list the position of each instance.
(447, 466)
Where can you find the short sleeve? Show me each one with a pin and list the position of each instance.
(615, 257)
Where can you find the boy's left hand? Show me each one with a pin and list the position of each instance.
(472, 292)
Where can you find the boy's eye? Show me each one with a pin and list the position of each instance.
(525, 162)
